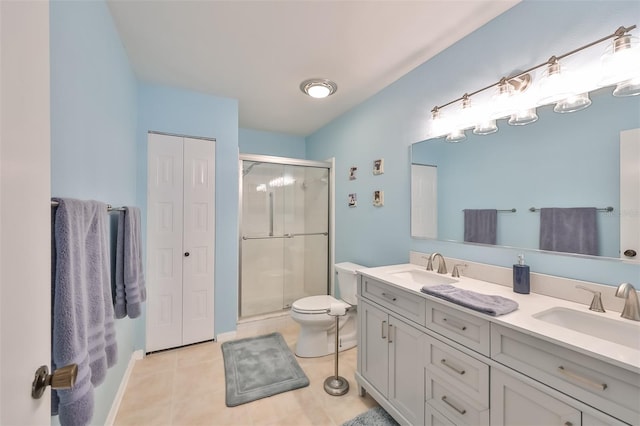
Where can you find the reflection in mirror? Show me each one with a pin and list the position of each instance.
(562, 160)
(424, 197)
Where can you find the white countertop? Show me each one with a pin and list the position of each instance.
(522, 319)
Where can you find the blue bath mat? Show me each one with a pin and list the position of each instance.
(258, 367)
(374, 417)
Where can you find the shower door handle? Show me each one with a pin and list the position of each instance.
(271, 214)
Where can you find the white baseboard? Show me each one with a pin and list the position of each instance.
(111, 418)
(224, 337)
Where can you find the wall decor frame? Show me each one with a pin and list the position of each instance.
(378, 166)
(352, 172)
(378, 198)
(353, 200)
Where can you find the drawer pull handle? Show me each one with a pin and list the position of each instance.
(584, 380)
(390, 297)
(568, 424)
(390, 330)
(446, 401)
(384, 323)
(457, 370)
(455, 324)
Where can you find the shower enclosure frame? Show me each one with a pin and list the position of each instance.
(285, 161)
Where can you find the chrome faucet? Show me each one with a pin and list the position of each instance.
(631, 308)
(442, 267)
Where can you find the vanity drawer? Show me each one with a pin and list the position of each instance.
(469, 374)
(433, 417)
(608, 388)
(446, 398)
(410, 306)
(468, 330)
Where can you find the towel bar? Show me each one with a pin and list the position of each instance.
(603, 209)
(109, 207)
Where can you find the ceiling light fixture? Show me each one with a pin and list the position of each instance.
(517, 96)
(318, 87)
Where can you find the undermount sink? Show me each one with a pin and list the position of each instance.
(591, 324)
(423, 277)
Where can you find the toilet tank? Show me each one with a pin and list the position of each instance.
(347, 281)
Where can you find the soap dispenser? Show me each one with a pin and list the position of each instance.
(521, 276)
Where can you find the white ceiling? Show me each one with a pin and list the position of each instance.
(260, 51)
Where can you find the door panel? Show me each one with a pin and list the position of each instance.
(630, 194)
(375, 351)
(25, 191)
(406, 388)
(199, 228)
(164, 242)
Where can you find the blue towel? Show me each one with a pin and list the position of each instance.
(129, 281)
(485, 303)
(83, 330)
(569, 230)
(480, 226)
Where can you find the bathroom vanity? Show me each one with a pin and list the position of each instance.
(429, 361)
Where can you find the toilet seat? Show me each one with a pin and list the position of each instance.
(315, 304)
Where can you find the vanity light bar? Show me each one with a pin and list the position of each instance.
(514, 80)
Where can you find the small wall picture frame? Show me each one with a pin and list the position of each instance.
(378, 198)
(378, 167)
(352, 173)
(353, 200)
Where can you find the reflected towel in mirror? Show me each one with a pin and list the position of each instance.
(569, 230)
(480, 226)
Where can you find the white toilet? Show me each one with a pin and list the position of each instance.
(317, 328)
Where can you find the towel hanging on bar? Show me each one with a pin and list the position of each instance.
(480, 226)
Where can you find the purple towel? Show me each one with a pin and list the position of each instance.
(83, 331)
(480, 226)
(129, 280)
(485, 303)
(569, 230)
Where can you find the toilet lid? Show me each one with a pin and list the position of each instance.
(315, 304)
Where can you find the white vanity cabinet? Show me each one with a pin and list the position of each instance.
(390, 355)
(601, 385)
(430, 362)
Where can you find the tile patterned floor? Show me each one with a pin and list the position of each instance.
(185, 387)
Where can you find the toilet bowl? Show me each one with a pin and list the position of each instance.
(317, 327)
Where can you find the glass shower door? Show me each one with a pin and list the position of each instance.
(284, 245)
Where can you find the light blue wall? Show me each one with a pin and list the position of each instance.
(171, 110)
(93, 131)
(386, 124)
(271, 143)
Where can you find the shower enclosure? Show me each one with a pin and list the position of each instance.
(284, 232)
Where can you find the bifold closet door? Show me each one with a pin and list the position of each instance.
(180, 241)
(198, 241)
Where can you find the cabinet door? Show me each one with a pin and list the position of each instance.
(406, 371)
(374, 350)
(199, 223)
(164, 242)
(515, 403)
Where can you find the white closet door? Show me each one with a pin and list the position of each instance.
(199, 197)
(164, 242)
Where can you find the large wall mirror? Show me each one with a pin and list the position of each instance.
(562, 160)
